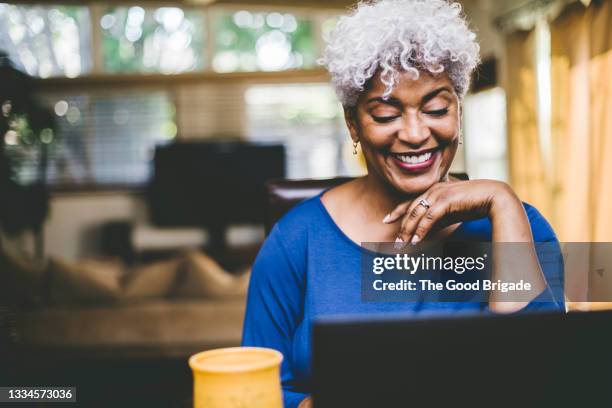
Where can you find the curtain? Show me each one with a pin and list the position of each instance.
(582, 122)
(527, 171)
(570, 125)
(599, 19)
(577, 196)
(581, 43)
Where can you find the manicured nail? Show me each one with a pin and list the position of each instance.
(387, 218)
(415, 239)
(398, 243)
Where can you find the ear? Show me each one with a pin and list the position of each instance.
(350, 117)
(461, 115)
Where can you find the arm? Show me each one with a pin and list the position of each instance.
(550, 258)
(511, 225)
(446, 203)
(306, 403)
(274, 309)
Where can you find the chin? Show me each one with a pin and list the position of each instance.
(414, 185)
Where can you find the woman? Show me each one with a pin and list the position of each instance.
(401, 69)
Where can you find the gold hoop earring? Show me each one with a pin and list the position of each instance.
(355, 147)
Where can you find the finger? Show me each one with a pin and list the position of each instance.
(403, 208)
(427, 221)
(396, 214)
(410, 221)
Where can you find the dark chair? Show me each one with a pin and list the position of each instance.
(283, 194)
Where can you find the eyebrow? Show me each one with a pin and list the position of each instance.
(395, 102)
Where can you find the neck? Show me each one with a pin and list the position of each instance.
(380, 198)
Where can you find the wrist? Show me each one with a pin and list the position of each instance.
(505, 202)
(509, 220)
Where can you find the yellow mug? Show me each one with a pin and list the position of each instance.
(237, 377)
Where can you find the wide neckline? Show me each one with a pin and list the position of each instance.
(347, 239)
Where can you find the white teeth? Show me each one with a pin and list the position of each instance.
(415, 159)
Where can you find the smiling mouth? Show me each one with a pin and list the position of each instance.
(416, 160)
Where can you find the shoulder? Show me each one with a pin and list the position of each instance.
(299, 220)
(288, 240)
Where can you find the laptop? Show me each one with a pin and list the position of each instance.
(519, 360)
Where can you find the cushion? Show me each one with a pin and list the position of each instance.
(156, 280)
(204, 277)
(88, 280)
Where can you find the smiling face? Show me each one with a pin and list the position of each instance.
(410, 139)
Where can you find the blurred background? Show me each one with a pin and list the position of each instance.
(136, 137)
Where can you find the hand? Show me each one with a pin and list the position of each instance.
(449, 202)
(306, 403)
(446, 203)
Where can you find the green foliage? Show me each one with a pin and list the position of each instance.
(242, 40)
(150, 45)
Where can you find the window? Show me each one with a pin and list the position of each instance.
(308, 119)
(103, 139)
(47, 41)
(107, 137)
(58, 40)
(486, 150)
(167, 40)
(249, 41)
(328, 25)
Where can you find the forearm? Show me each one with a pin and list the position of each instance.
(515, 257)
(306, 403)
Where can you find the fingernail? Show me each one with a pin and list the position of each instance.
(398, 243)
(415, 239)
(386, 219)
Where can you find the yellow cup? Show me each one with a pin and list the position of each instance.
(240, 377)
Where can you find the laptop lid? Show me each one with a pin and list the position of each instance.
(530, 359)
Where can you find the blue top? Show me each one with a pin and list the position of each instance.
(308, 267)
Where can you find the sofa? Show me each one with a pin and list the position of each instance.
(171, 308)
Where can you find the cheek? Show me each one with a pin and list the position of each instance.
(447, 130)
(377, 136)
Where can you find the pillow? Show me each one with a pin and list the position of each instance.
(84, 281)
(156, 280)
(204, 277)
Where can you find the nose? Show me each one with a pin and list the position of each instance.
(413, 131)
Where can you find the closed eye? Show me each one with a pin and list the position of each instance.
(439, 112)
(384, 119)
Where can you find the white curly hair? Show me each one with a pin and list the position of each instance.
(389, 35)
